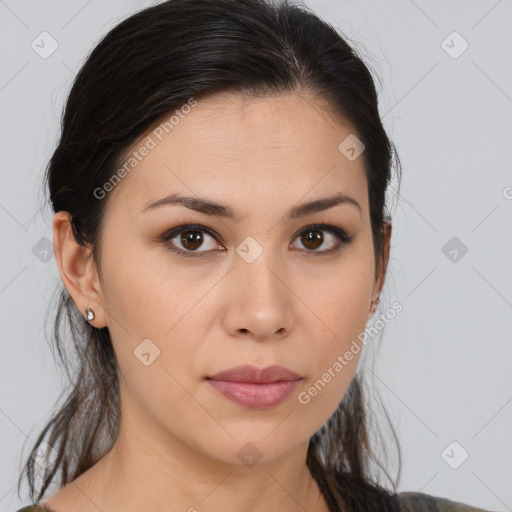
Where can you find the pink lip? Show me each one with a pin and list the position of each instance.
(250, 373)
(254, 388)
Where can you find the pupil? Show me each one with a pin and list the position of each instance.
(192, 237)
(316, 240)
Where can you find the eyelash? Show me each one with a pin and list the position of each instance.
(342, 237)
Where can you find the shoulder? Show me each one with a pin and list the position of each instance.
(420, 502)
(34, 508)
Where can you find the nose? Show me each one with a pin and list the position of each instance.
(260, 303)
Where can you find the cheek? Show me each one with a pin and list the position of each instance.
(341, 311)
(154, 316)
(339, 299)
(145, 293)
(333, 362)
(149, 317)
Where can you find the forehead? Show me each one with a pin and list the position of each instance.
(242, 151)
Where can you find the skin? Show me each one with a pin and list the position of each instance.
(179, 438)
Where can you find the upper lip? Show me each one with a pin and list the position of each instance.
(250, 373)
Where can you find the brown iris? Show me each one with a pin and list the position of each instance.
(194, 238)
(312, 240)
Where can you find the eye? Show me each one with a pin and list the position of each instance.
(312, 238)
(191, 238)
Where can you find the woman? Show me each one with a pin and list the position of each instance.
(221, 234)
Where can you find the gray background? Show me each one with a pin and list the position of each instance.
(443, 364)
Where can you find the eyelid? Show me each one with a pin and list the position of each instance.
(340, 234)
(173, 232)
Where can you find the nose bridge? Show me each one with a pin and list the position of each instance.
(260, 270)
(262, 302)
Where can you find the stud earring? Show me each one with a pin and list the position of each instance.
(374, 305)
(89, 315)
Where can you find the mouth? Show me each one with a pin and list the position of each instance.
(255, 375)
(255, 388)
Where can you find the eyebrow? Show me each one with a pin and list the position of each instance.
(213, 208)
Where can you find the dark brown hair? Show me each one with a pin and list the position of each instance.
(145, 68)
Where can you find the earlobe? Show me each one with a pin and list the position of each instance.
(77, 270)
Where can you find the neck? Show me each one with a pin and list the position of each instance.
(150, 469)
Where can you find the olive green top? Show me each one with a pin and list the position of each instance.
(420, 502)
(409, 502)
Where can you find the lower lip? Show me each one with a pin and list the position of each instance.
(255, 396)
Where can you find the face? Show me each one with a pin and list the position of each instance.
(187, 294)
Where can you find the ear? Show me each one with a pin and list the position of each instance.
(382, 263)
(77, 269)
